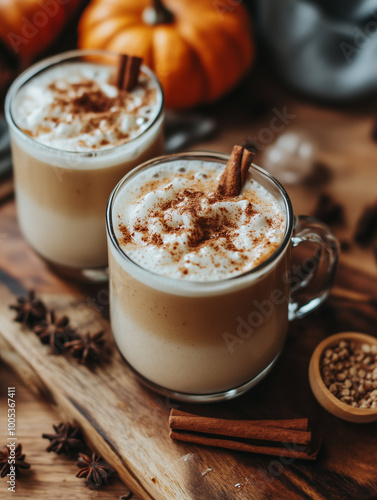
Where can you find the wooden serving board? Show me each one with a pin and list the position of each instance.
(127, 424)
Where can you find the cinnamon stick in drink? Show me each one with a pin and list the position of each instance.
(128, 72)
(234, 176)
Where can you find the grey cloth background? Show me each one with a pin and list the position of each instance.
(324, 48)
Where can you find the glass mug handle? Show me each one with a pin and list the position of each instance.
(324, 261)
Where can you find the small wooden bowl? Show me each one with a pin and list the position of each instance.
(324, 397)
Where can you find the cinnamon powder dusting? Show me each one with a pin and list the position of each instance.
(196, 227)
(95, 109)
(126, 235)
(78, 107)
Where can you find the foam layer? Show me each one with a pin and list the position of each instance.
(76, 107)
(167, 219)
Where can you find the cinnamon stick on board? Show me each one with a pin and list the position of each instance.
(238, 429)
(293, 434)
(234, 176)
(128, 72)
(298, 424)
(294, 452)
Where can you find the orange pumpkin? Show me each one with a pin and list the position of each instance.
(199, 49)
(29, 26)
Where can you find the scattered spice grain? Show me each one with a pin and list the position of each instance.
(349, 371)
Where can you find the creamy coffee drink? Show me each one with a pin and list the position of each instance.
(197, 291)
(74, 135)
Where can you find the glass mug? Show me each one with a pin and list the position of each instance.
(211, 341)
(61, 195)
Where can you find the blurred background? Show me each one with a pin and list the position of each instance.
(325, 50)
(296, 80)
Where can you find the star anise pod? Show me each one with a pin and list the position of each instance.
(94, 469)
(54, 331)
(29, 309)
(67, 438)
(89, 349)
(19, 460)
(328, 210)
(366, 227)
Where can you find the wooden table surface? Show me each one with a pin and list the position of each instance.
(51, 475)
(344, 146)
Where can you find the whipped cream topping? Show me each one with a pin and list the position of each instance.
(77, 107)
(169, 220)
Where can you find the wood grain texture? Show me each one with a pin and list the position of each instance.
(51, 475)
(128, 424)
